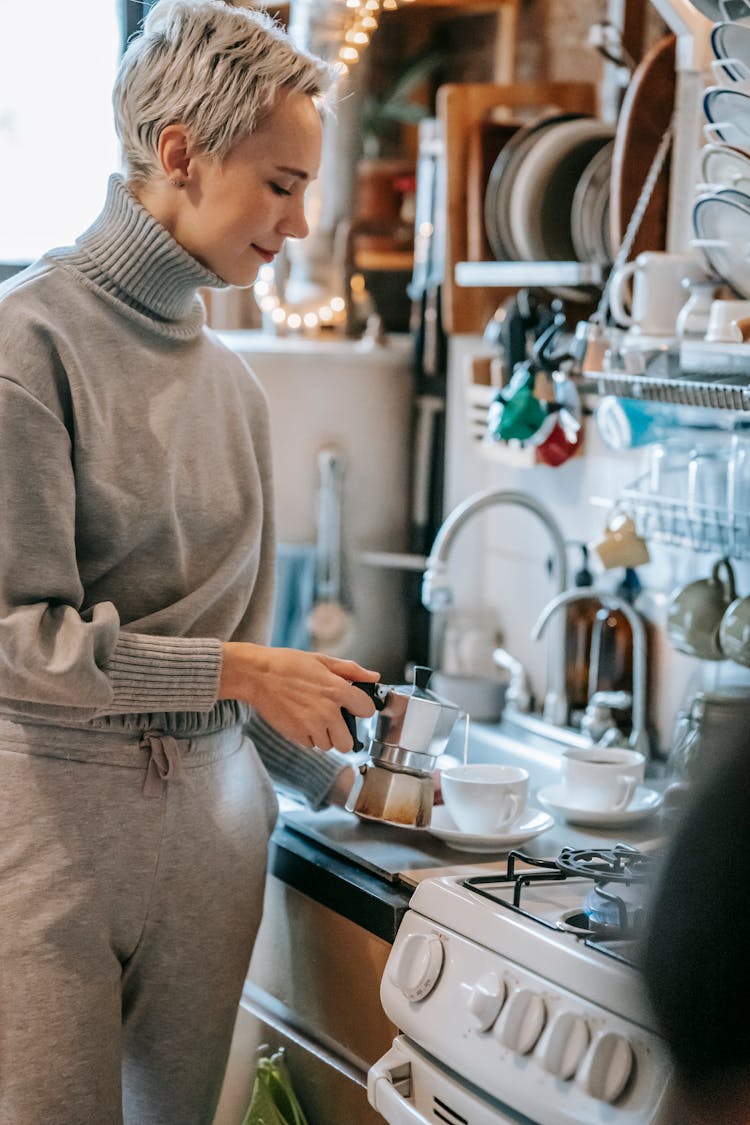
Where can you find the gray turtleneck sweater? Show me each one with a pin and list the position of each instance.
(135, 490)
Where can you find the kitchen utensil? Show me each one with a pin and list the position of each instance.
(643, 119)
(620, 545)
(625, 423)
(730, 43)
(724, 166)
(692, 319)
(695, 611)
(589, 212)
(658, 291)
(561, 440)
(723, 9)
(722, 227)
(483, 798)
(528, 826)
(709, 727)
(644, 803)
(734, 632)
(707, 494)
(541, 199)
(411, 730)
(728, 112)
(478, 696)
(722, 321)
(501, 181)
(601, 778)
(516, 412)
(330, 622)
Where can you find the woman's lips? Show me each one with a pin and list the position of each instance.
(266, 255)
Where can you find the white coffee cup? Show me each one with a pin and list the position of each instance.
(658, 291)
(601, 779)
(722, 321)
(484, 799)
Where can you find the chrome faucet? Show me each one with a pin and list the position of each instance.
(437, 592)
(638, 739)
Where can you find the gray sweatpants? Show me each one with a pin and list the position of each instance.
(131, 887)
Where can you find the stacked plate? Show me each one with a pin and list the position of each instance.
(723, 9)
(548, 192)
(721, 213)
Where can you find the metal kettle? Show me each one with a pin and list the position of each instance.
(411, 729)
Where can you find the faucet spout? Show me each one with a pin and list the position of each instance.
(437, 593)
(639, 739)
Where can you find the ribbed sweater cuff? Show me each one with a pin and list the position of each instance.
(306, 772)
(164, 673)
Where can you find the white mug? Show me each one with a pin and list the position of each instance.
(658, 291)
(484, 799)
(722, 321)
(601, 779)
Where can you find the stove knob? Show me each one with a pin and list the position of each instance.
(416, 965)
(564, 1045)
(607, 1067)
(525, 1014)
(486, 998)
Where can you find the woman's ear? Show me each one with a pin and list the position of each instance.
(174, 155)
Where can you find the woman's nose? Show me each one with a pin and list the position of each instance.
(294, 223)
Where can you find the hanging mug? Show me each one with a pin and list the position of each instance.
(620, 545)
(696, 611)
(658, 294)
(561, 435)
(516, 413)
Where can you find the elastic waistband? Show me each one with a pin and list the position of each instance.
(117, 747)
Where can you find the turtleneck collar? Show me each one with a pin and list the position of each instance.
(133, 261)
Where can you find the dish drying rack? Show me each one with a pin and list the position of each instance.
(699, 527)
(720, 392)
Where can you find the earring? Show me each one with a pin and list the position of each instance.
(177, 183)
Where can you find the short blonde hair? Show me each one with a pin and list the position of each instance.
(212, 67)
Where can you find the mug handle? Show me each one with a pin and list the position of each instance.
(729, 585)
(628, 786)
(514, 804)
(616, 296)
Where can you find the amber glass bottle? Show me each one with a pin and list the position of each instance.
(579, 623)
(612, 642)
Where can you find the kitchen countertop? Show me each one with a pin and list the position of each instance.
(367, 871)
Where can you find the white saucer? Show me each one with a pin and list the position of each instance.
(531, 823)
(645, 801)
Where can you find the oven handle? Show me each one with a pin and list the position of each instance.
(385, 1097)
(389, 1089)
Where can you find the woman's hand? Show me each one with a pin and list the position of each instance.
(299, 693)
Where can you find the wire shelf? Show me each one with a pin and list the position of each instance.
(720, 393)
(680, 523)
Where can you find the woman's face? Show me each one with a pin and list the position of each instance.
(244, 206)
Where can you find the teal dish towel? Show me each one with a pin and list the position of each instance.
(295, 592)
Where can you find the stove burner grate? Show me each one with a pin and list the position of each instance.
(620, 864)
(614, 913)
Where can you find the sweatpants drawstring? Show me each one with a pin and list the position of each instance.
(164, 763)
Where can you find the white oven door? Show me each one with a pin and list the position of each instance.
(408, 1088)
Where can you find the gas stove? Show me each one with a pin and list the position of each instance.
(518, 999)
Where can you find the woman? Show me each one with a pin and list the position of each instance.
(136, 573)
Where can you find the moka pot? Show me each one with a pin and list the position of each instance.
(411, 729)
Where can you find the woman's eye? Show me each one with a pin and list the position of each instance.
(277, 189)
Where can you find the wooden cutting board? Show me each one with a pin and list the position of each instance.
(646, 111)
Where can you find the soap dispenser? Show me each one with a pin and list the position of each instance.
(579, 623)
